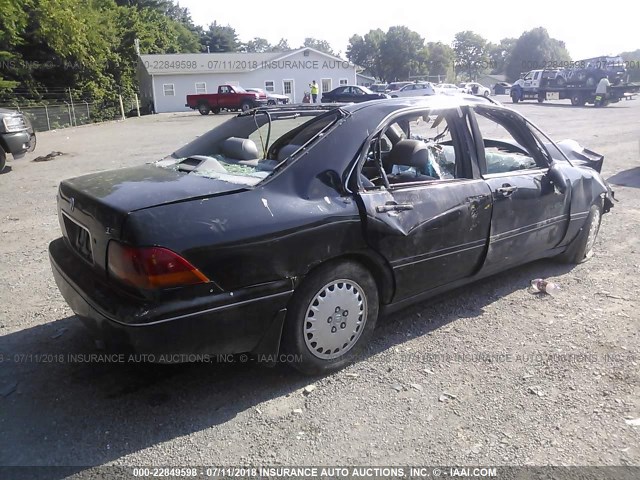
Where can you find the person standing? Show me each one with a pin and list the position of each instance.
(603, 87)
(314, 91)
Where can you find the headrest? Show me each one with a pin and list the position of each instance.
(240, 148)
(410, 153)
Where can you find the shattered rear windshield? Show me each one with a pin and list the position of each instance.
(248, 148)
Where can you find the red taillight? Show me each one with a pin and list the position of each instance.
(151, 267)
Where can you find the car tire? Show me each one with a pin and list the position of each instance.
(3, 159)
(578, 100)
(271, 102)
(515, 97)
(32, 142)
(343, 296)
(245, 106)
(581, 248)
(216, 111)
(486, 93)
(204, 108)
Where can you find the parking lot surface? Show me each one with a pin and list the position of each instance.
(489, 374)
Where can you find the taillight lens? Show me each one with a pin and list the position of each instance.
(151, 268)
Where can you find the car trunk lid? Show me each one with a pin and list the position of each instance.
(92, 209)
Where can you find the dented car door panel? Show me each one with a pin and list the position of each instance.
(530, 215)
(430, 234)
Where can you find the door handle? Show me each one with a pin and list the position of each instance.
(394, 207)
(505, 190)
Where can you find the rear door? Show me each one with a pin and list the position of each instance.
(530, 212)
(429, 220)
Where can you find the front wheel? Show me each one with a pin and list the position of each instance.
(3, 159)
(581, 248)
(331, 317)
(486, 93)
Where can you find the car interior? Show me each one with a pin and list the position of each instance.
(413, 148)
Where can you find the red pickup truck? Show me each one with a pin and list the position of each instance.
(228, 98)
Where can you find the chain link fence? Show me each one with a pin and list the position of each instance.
(56, 114)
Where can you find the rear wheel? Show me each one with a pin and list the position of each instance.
(486, 93)
(245, 107)
(331, 317)
(204, 109)
(581, 249)
(577, 100)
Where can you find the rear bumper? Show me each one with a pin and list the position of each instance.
(247, 320)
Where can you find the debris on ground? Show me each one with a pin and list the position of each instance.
(308, 389)
(47, 157)
(539, 285)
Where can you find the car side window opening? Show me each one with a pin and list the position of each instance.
(508, 145)
(415, 147)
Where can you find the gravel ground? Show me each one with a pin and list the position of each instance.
(488, 374)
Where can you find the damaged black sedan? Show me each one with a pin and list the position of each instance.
(291, 229)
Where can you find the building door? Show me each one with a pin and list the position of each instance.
(288, 90)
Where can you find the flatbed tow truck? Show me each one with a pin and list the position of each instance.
(541, 85)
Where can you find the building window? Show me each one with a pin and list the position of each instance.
(287, 87)
(168, 90)
(344, 81)
(201, 87)
(270, 86)
(326, 85)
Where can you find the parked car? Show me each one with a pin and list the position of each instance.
(378, 87)
(393, 86)
(272, 98)
(448, 89)
(414, 90)
(474, 88)
(291, 229)
(351, 93)
(17, 136)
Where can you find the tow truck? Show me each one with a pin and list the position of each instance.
(544, 85)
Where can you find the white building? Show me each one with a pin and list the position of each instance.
(166, 80)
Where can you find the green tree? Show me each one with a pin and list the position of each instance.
(402, 54)
(470, 54)
(281, 46)
(321, 45)
(13, 19)
(633, 65)
(499, 55)
(257, 45)
(534, 49)
(365, 51)
(441, 59)
(220, 39)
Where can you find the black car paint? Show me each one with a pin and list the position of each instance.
(338, 95)
(258, 243)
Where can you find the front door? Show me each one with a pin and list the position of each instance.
(530, 212)
(429, 218)
(287, 89)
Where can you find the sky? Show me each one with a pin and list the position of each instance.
(586, 31)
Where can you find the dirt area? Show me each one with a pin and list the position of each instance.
(489, 374)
